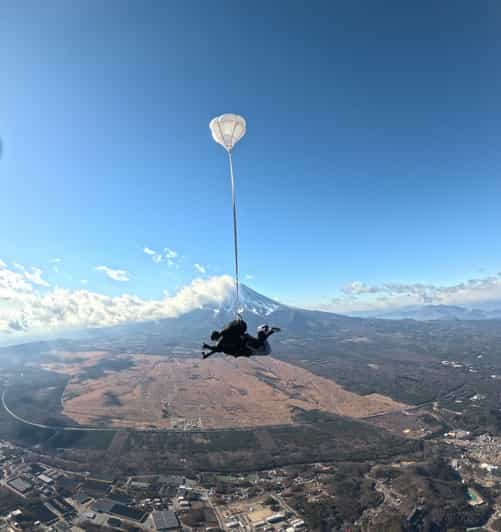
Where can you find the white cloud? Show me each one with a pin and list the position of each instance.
(34, 276)
(2, 264)
(55, 260)
(360, 296)
(169, 255)
(199, 267)
(356, 288)
(84, 281)
(116, 275)
(249, 277)
(155, 256)
(13, 285)
(24, 309)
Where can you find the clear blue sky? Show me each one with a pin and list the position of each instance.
(373, 150)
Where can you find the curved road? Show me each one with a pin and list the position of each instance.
(179, 431)
(50, 427)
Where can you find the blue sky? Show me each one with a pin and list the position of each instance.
(372, 153)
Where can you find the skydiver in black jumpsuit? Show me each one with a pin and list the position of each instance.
(229, 341)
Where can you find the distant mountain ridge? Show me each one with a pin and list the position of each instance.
(432, 313)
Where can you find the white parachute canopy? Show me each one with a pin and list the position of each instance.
(227, 130)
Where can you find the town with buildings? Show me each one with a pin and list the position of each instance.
(37, 496)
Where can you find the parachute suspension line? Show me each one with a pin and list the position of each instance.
(227, 130)
(235, 236)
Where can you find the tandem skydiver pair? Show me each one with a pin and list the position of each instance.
(234, 340)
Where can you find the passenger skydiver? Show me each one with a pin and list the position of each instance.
(260, 346)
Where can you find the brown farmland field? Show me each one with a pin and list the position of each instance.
(175, 393)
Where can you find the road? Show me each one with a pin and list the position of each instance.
(219, 518)
(285, 505)
(49, 427)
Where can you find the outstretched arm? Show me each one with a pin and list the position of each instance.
(272, 330)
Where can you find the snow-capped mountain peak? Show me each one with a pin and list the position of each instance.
(249, 302)
(256, 303)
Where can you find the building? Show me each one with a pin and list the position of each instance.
(120, 497)
(20, 485)
(136, 484)
(171, 480)
(276, 518)
(165, 520)
(103, 506)
(81, 498)
(184, 505)
(114, 522)
(128, 512)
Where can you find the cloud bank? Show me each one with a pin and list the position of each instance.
(29, 305)
(33, 276)
(360, 296)
(25, 308)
